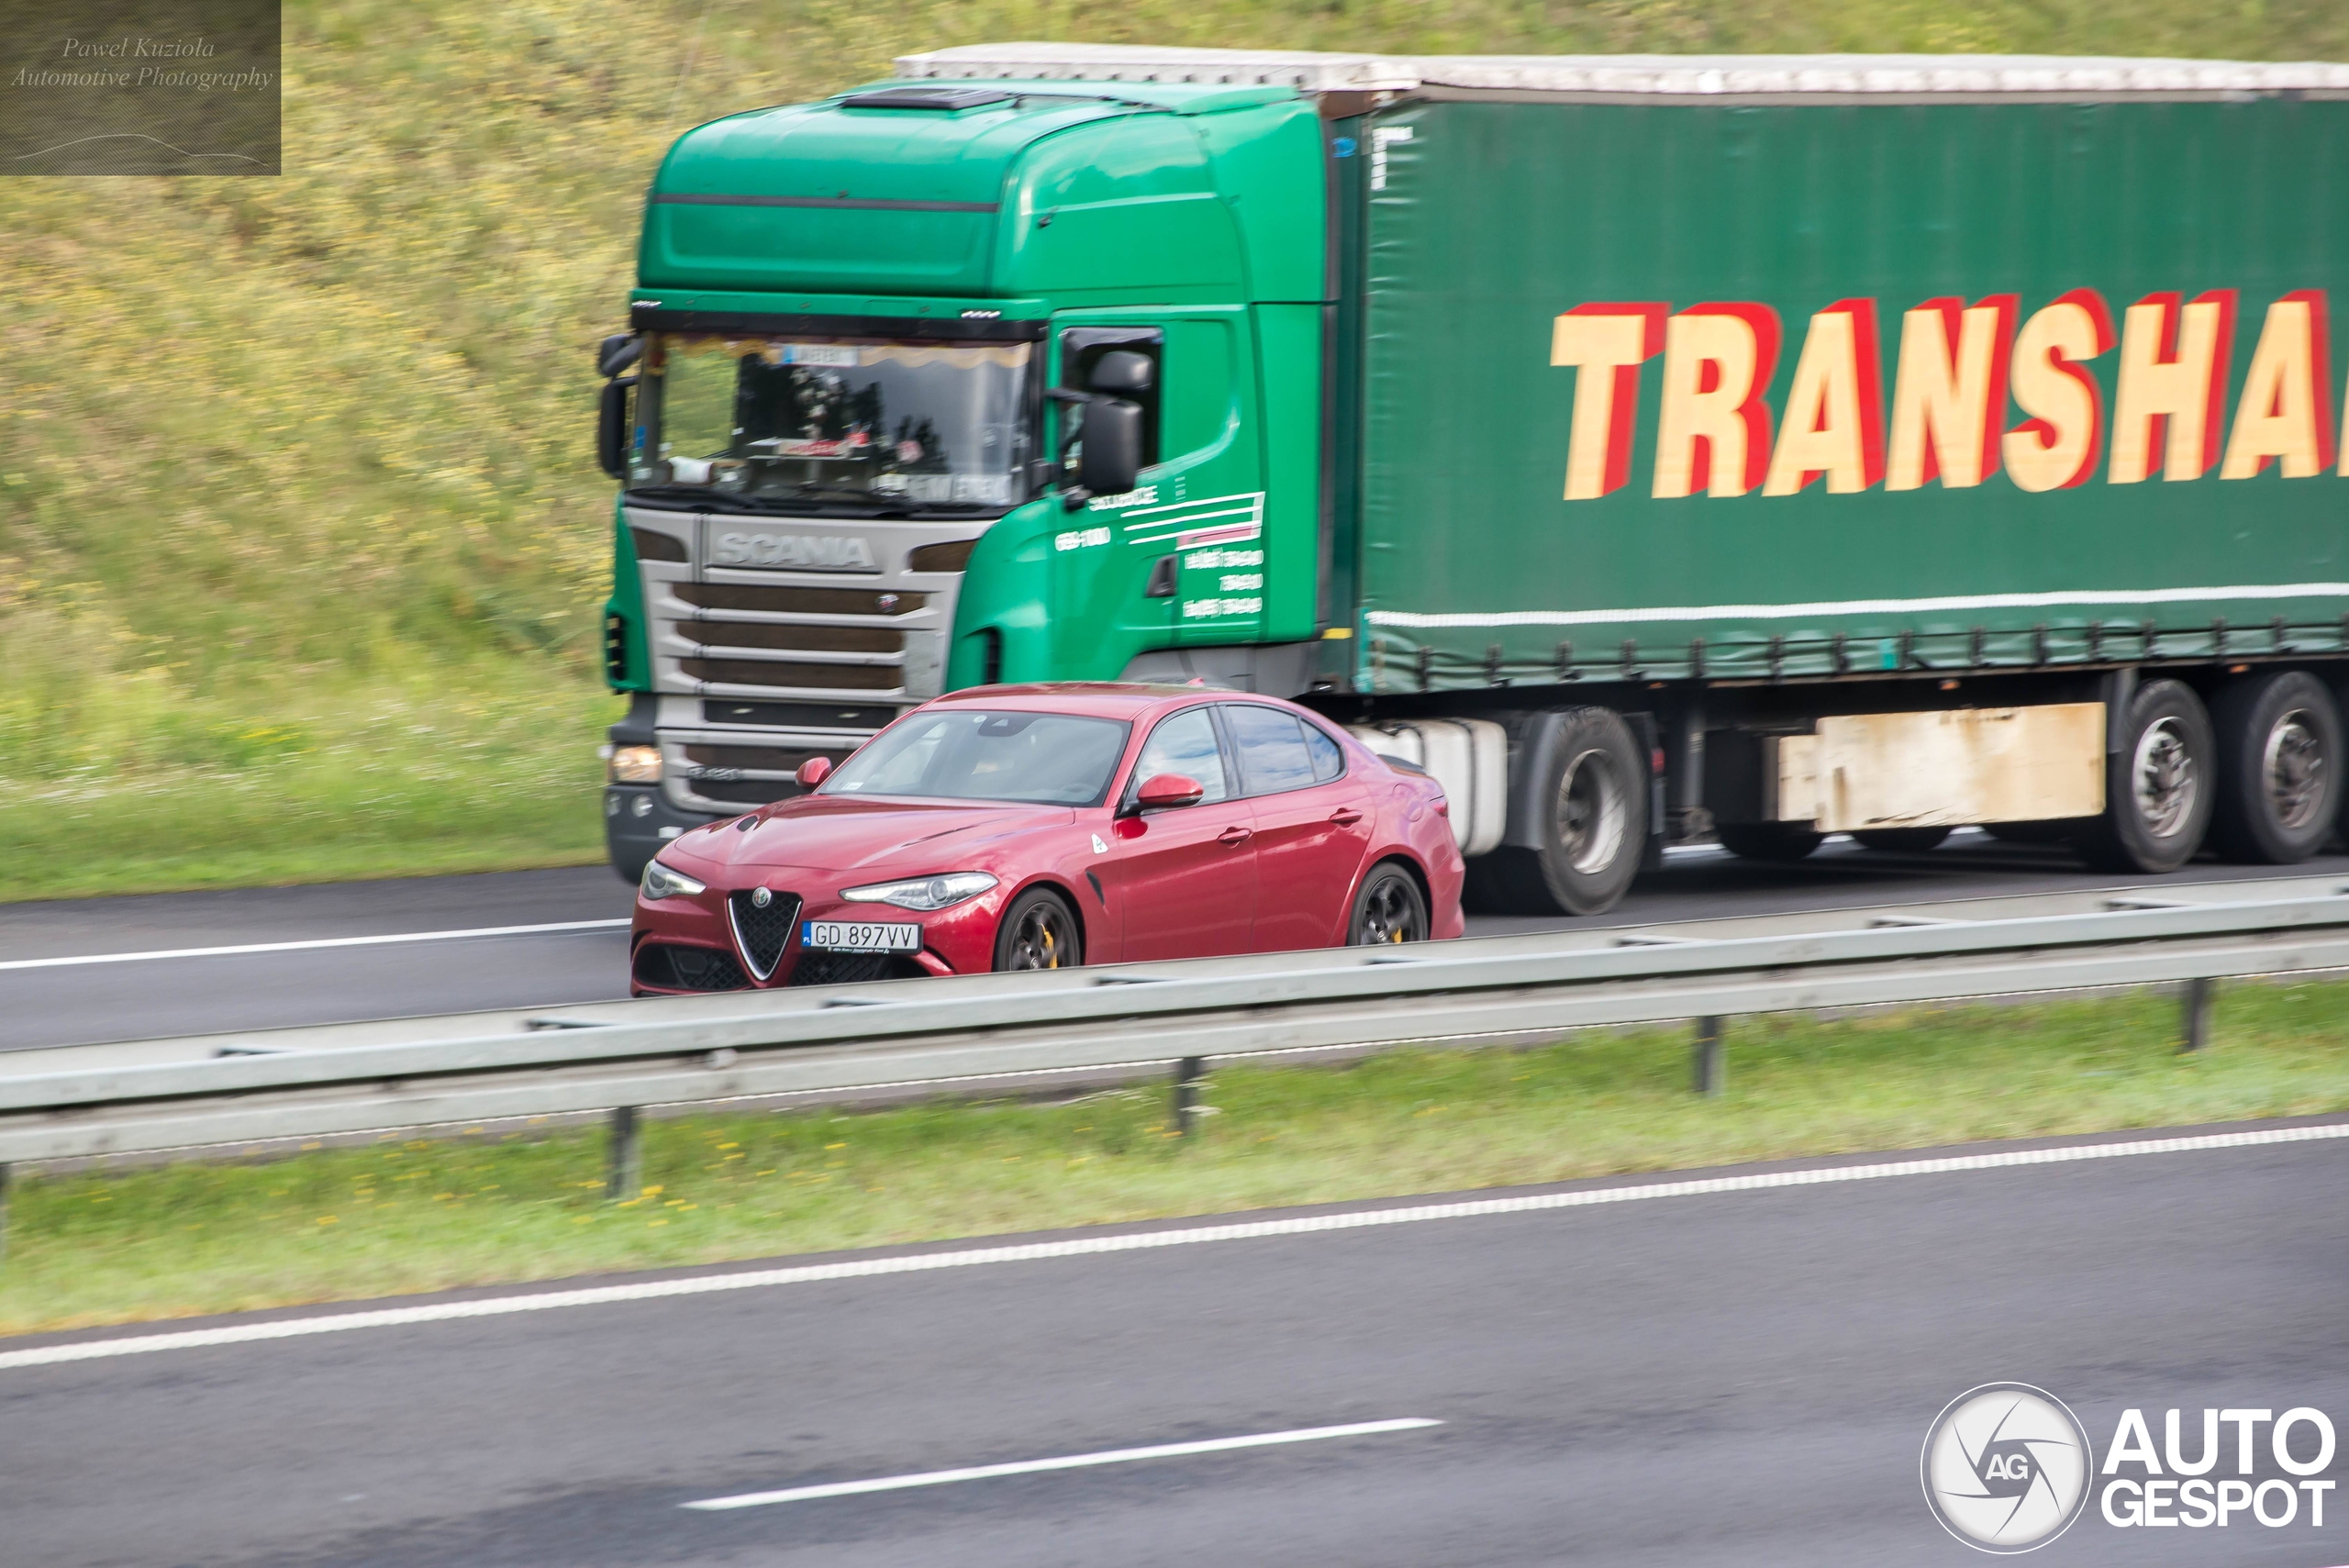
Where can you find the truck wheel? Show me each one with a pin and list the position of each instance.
(1593, 791)
(2280, 768)
(1779, 841)
(1902, 840)
(2157, 787)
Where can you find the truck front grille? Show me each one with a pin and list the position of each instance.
(799, 638)
(797, 601)
(795, 675)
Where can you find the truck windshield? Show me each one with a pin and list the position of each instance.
(765, 420)
(1044, 759)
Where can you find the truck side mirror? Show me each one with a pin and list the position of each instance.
(611, 428)
(616, 353)
(1125, 372)
(1111, 457)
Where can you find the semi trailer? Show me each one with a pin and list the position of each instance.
(1656, 450)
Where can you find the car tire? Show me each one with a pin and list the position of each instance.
(1592, 797)
(1039, 931)
(2158, 789)
(1389, 908)
(1902, 841)
(2279, 743)
(1781, 843)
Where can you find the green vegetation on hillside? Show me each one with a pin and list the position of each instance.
(298, 516)
(413, 1214)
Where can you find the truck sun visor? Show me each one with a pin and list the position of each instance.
(946, 98)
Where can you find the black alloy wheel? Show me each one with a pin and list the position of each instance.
(1782, 843)
(1039, 931)
(2157, 787)
(1902, 841)
(2278, 770)
(1389, 908)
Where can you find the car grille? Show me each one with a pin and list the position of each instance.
(667, 968)
(840, 968)
(762, 934)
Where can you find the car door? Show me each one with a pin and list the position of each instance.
(1313, 821)
(1183, 882)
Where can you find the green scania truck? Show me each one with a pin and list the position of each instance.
(1656, 450)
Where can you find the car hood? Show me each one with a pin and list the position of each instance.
(849, 838)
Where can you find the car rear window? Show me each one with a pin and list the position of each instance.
(1272, 755)
(1041, 759)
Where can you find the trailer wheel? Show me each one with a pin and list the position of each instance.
(1594, 825)
(1779, 841)
(1902, 840)
(2280, 768)
(2157, 787)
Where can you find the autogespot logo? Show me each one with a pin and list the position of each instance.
(2006, 1467)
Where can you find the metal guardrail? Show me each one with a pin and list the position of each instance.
(959, 1030)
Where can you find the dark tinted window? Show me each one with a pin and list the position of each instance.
(1270, 743)
(1328, 760)
(1185, 744)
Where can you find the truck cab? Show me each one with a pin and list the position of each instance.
(848, 420)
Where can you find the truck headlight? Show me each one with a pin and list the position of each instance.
(635, 764)
(923, 892)
(667, 882)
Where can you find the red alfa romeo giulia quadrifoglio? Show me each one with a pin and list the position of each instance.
(1038, 827)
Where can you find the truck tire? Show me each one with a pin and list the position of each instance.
(1593, 829)
(1902, 840)
(1779, 841)
(2280, 768)
(2157, 787)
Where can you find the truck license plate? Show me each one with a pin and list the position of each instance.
(860, 936)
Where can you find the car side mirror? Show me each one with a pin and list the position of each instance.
(611, 428)
(813, 772)
(1162, 791)
(1111, 458)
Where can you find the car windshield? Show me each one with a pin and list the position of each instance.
(1044, 759)
(754, 423)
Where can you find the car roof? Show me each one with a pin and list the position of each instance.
(1103, 699)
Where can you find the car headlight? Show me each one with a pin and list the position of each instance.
(667, 882)
(923, 892)
(635, 764)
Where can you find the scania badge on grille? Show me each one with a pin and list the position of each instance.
(761, 898)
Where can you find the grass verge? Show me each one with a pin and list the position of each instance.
(414, 1215)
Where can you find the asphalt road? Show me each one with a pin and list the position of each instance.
(1736, 1378)
(49, 1004)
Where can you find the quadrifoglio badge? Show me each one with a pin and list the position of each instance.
(2007, 1467)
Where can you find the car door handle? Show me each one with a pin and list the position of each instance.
(1345, 816)
(1234, 836)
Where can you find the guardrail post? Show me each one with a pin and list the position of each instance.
(2197, 1021)
(1710, 1060)
(1187, 1073)
(3, 1211)
(623, 1156)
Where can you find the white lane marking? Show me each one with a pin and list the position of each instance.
(1067, 1462)
(1090, 1246)
(1867, 606)
(311, 946)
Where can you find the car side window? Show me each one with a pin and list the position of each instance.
(1272, 755)
(1328, 761)
(1185, 744)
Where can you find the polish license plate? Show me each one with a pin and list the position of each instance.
(860, 936)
